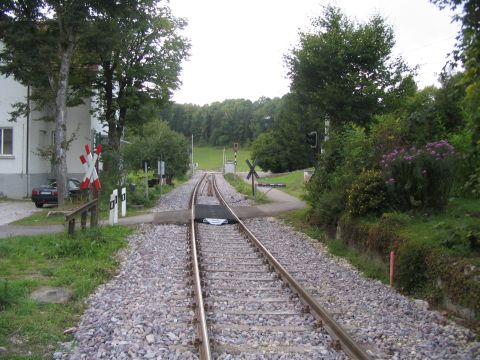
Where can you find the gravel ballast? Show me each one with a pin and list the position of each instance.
(391, 325)
(146, 310)
(142, 313)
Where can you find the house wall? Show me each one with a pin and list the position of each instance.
(19, 173)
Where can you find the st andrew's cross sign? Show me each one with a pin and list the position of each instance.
(252, 173)
(91, 176)
(252, 168)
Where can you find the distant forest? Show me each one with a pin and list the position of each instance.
(223, 123)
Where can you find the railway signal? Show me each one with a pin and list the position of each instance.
(312, 139)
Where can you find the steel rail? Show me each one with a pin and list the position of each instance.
(205, 352)
(348, 345)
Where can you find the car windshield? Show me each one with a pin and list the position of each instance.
(73, 184)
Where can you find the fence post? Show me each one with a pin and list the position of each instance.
(71, 226)
(93, 215)
(83, 220)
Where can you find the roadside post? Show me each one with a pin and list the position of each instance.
(161, 173)
(124, 201)
(145, 167)
(115, 211)
(252, 173)
(235, 149)
(111, 218)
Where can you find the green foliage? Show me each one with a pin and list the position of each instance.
(222, 124)
(268, 151)
(328, 209)
(387, 132)
(157, 141)
(412, 266)
(462, 238)
(420, 178)
(367, 194)
(345, 156)
(284, 147)
(346, 70)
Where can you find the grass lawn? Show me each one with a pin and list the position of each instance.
(448, 230)
(294, 180)
(211, 158)
(29, 330)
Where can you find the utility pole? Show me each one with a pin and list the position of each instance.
(193, 167)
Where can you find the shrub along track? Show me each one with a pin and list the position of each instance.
(247, 304)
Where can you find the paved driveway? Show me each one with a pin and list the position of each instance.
(14, 210)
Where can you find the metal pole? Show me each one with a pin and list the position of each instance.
(193, 167)
(223, 159)
(146, 180)
(253, 186)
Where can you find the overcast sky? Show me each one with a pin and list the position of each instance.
(238, 45)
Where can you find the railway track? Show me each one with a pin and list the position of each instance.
(247, 305)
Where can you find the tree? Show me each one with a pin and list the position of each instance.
(346, 69)
(157, 141)
(284, 147)
(39, 41)
(139, 52)
(467, 53)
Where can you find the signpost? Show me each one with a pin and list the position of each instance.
(252, 173)
(91, 177)
(145, 167)
(88, 163)
(161, 173)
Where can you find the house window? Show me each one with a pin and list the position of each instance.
(6, 141)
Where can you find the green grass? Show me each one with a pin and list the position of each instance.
(29, 330)
(370, 268)
(294, 180)
(211, 158)
(435, 229)
(246, 189)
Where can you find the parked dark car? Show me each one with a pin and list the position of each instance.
(48, 194)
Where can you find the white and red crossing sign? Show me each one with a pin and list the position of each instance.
(88, 163)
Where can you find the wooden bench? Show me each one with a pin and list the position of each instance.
(83, 211)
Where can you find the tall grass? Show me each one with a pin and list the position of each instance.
(211, 158)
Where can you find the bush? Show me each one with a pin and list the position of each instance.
(420, 178)
(367, 193)
(412, 266)
(328, 209)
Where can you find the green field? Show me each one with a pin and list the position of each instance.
(210, 158)
(294, 181)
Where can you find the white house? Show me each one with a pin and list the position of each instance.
(21, 168)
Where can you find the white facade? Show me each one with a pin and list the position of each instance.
(23, 168)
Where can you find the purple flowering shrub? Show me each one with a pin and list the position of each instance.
(419, 178)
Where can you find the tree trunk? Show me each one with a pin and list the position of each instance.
(60, 162)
